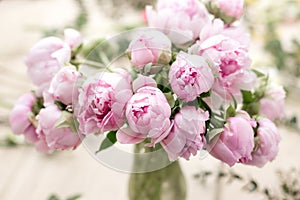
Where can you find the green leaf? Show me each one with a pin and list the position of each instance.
(234, 101)
(147, 68)
(37, 105)
(256, 143)
(67, 120)
(11, 141)
(111, 139)
(74, 197)
(53, 197)
(60, 105)
(213, 133)
(247, 97)
(258, 73)
(202, 104)
(230, 112)
(170, 99)
(206, 94)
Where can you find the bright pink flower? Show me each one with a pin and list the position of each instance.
(45, 59)
(147, 114)
(269, 139)
(19, 118)
(187, 134)
(272, 105)
(56, 138)
(150, 47)
(181, 20)
(63, 86)
(72, 37)
(235, 143)
(190, 76)
(227, 49)
(102, 101)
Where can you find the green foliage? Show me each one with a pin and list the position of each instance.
(9, 140)
(288, 187)
(74, 197)
(110, 140)
(55, 197)
(170, 99)
(230, 112)
(248, 97)
(213, 133)
(60, 105)
(37, 105)
(202, 104)
(67, 120)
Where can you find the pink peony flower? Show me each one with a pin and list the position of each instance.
(181, 20)
(63, 86)
(187, 134)
(56, 138)
(269, 139)
(235, 143)
(231, 8)
(19, 118)
(190, 76)
(41, 145)
(227, 49)
(147, 114)
(143, 81)
(150, 47)
(45, 59)
(272, 105)
(101, 103)
(72, 37)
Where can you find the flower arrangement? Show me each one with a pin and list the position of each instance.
(190, 87)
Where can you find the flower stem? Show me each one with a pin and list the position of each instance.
(91, 64)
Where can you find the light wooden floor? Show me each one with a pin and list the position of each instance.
(27, 174)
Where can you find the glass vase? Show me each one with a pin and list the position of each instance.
(166, 183)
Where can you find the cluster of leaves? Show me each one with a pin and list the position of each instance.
(285, 60)
(73, 197)
(10, 140)
(288, 187)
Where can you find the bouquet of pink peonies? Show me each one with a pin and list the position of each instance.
(189, 87)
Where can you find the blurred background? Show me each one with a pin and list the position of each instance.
(27, 174)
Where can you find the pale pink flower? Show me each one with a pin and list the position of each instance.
(63, 86)
(190, 76)
(230, 8)
(227, 50)
(45, 59)
(72, 37)
(269, 139)
(181, 20)
(272, 105)
(19, 118)
(143, 81)
(56, 138)
(150, 47)
(187, 134)
(41, 145)
(101, 103)
(147, 114)
(235, 143)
